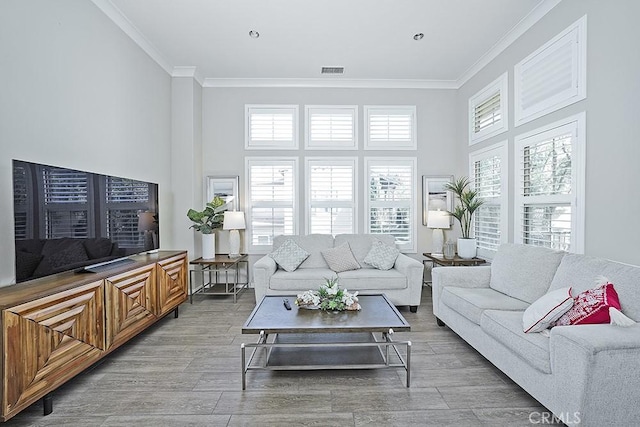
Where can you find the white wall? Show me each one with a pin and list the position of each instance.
(223, 134)
(613, 90)
(77, 92)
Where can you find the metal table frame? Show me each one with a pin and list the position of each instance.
(385, 345)
(221, 265)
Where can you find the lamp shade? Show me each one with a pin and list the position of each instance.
(233, 220)
(146, 221)
(438, 219)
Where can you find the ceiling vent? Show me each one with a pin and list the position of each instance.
(332, 70)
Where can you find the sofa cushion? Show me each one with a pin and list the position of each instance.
(591, 307)
(360, 244)
(98, 248)
(303, 279)
(59, 253)
(506, 328)
(312, 243)
(581, 271)
(340, 258)
(471, 302)
(289, 255)
(26, 264)
(381, 256)
(368, 279)
(546, 310)
(524, 272)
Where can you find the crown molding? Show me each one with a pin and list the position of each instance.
(187, 71)
(132, 31)
(332, 83)
(519, 29)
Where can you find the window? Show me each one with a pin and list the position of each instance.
(22, 202)
(550, 186)
(271, 204)
(488, 111)
(554, 76)
(66, 202)
(271, 127)
(331, 127)
(390, 128)
(488, 171)
(331, 195)
(125, 199)
(391, 199)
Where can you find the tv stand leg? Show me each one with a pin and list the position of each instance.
(47, 403)
(175, 313)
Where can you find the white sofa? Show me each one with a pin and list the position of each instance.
(402, 284)
(585, 374)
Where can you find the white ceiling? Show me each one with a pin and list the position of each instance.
(372, 39)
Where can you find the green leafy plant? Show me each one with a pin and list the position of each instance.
(210, 218)
(329, 297)
(469, 202)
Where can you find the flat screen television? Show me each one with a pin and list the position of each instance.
(67, 219)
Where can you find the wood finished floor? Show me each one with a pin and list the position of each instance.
(186, 372)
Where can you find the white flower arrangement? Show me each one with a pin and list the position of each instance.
(329, 297)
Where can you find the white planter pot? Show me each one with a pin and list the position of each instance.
(209, 246)
(466, 248)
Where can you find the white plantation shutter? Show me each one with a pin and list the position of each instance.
(390, 128)
(488, 111)
(550, 180)
(488, 172)
(21, 202)
(331, 195)
(391, 199)
(552, 77)
(331, 127)
(125, 199)
(271, 206)
(66, 202)
(271, 127)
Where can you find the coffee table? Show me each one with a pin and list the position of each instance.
(302, 339)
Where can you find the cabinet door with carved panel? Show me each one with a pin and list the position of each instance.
(129, 304)
(49, 340)
(172, 283)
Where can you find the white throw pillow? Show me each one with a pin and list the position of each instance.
(289, 255)
(340, 258)
(546, 310)
(382, 256)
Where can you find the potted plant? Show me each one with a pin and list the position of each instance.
(469, 202)
(206, 222)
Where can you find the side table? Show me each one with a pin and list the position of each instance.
(456, 261)
(220, 275)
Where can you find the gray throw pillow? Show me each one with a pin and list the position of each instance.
(289, 255)
(382, 256)
(340, 258)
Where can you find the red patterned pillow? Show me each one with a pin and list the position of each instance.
(591, 306)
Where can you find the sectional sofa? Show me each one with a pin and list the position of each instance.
(584, 374)
(402, 283)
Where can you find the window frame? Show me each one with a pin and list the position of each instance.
(576, 34)
(260, 161)
(389, 145)
(311, 144)
(500, 150)
(412, 205)
(249, 109)
(309, 203)
(577, 125)
(501, 86)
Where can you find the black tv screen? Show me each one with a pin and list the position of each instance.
(68, 219)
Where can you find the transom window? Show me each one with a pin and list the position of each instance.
(488, 111)
(271, 127)
(331, 127)
(390, 127)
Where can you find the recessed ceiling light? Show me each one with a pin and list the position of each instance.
(418, 36)
(254, 34)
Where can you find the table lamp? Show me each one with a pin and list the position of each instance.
(437, 220)
(234, 221)
(147, 225)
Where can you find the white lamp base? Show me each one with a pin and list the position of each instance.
(234, 244)
(437, 241)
